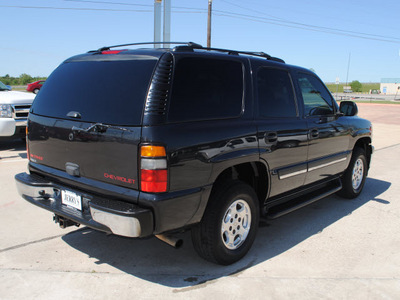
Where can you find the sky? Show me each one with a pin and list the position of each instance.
(349, 40)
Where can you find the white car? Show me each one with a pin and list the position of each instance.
(14, 109)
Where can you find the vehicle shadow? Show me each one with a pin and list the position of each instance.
(155, 261)
(13, 149)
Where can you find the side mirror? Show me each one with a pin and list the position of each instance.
(348, 108)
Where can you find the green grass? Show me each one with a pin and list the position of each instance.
(376, 101)
(366, 87)
(19, 88)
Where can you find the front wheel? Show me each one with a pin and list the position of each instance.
(229, 225)
(353, 179)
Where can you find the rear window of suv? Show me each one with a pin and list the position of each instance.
(205, 88)
(110, 92)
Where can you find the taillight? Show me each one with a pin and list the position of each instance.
(26, 142)
(112, 51)
(153, 169)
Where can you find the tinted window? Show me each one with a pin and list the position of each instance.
(275, 94)
(110, 92)
(317, 99)
(206, 88)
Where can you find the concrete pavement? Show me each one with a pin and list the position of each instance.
(333, 249)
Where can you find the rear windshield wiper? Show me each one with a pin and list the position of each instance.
(98, 127)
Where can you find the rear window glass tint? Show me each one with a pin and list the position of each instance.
(275, 94)
(206, 88)
(110, 92)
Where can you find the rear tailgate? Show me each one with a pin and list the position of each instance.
(109, 156)
(86, 120)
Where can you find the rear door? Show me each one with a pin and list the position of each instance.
(282, 134)
(87, 118)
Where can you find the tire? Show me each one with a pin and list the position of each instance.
(353, 179)
(229, 225)
(35, 91)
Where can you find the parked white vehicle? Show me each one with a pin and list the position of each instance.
(14, 109)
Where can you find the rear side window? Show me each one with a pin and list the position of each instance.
(110, 92)
(275, 94)
(206, 88)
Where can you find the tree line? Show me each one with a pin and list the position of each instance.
(23, 79)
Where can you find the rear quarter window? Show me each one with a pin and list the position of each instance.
(110, 92)
(205, 88)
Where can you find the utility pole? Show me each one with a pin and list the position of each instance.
(167, 23)
(348, 68)
(209, 24)
(157, 22)
(166, 27)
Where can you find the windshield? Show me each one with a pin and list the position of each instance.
(3, 87)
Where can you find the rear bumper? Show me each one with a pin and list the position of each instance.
(106, 215)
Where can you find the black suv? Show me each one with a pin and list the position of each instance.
(155, 141)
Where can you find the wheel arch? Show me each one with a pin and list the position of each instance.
(365, 144)
(254, 173)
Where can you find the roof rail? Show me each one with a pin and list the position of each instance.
(106, 48)
(193, 45)
(236, 52)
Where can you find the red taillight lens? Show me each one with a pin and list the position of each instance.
(26, 142)
(153, 169)
(112, 51)
(153, 181)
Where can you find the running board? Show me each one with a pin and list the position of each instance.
(306, 202)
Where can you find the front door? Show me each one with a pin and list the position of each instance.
(328, 134)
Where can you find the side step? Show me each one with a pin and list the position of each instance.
(283, 209)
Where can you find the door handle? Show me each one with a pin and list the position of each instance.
(314, 133)
(271, 137)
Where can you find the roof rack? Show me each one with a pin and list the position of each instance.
(106, 48)
(236, 52)
(192, 45)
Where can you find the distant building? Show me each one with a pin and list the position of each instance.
(390, 85)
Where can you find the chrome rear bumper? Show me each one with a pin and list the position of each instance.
(103, 214)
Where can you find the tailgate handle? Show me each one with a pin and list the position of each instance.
(74, 114)
(72, 169)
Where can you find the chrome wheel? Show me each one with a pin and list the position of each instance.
(236, 224)
(358, 174)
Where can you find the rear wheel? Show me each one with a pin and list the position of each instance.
(35, 91)
(353, 179)
(229, 225)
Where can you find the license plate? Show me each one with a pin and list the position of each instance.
(71, 199)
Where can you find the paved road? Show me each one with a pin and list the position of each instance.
(333, 249)
(366, 97)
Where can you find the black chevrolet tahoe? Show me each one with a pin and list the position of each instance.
(146, 142)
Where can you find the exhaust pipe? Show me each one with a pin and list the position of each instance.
(170, 240)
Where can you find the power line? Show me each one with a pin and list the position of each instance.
(76, 8)
(285, 20)
(306, 26)
(274, 22)
(93, 9)
(110, 2)
(132, 4)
